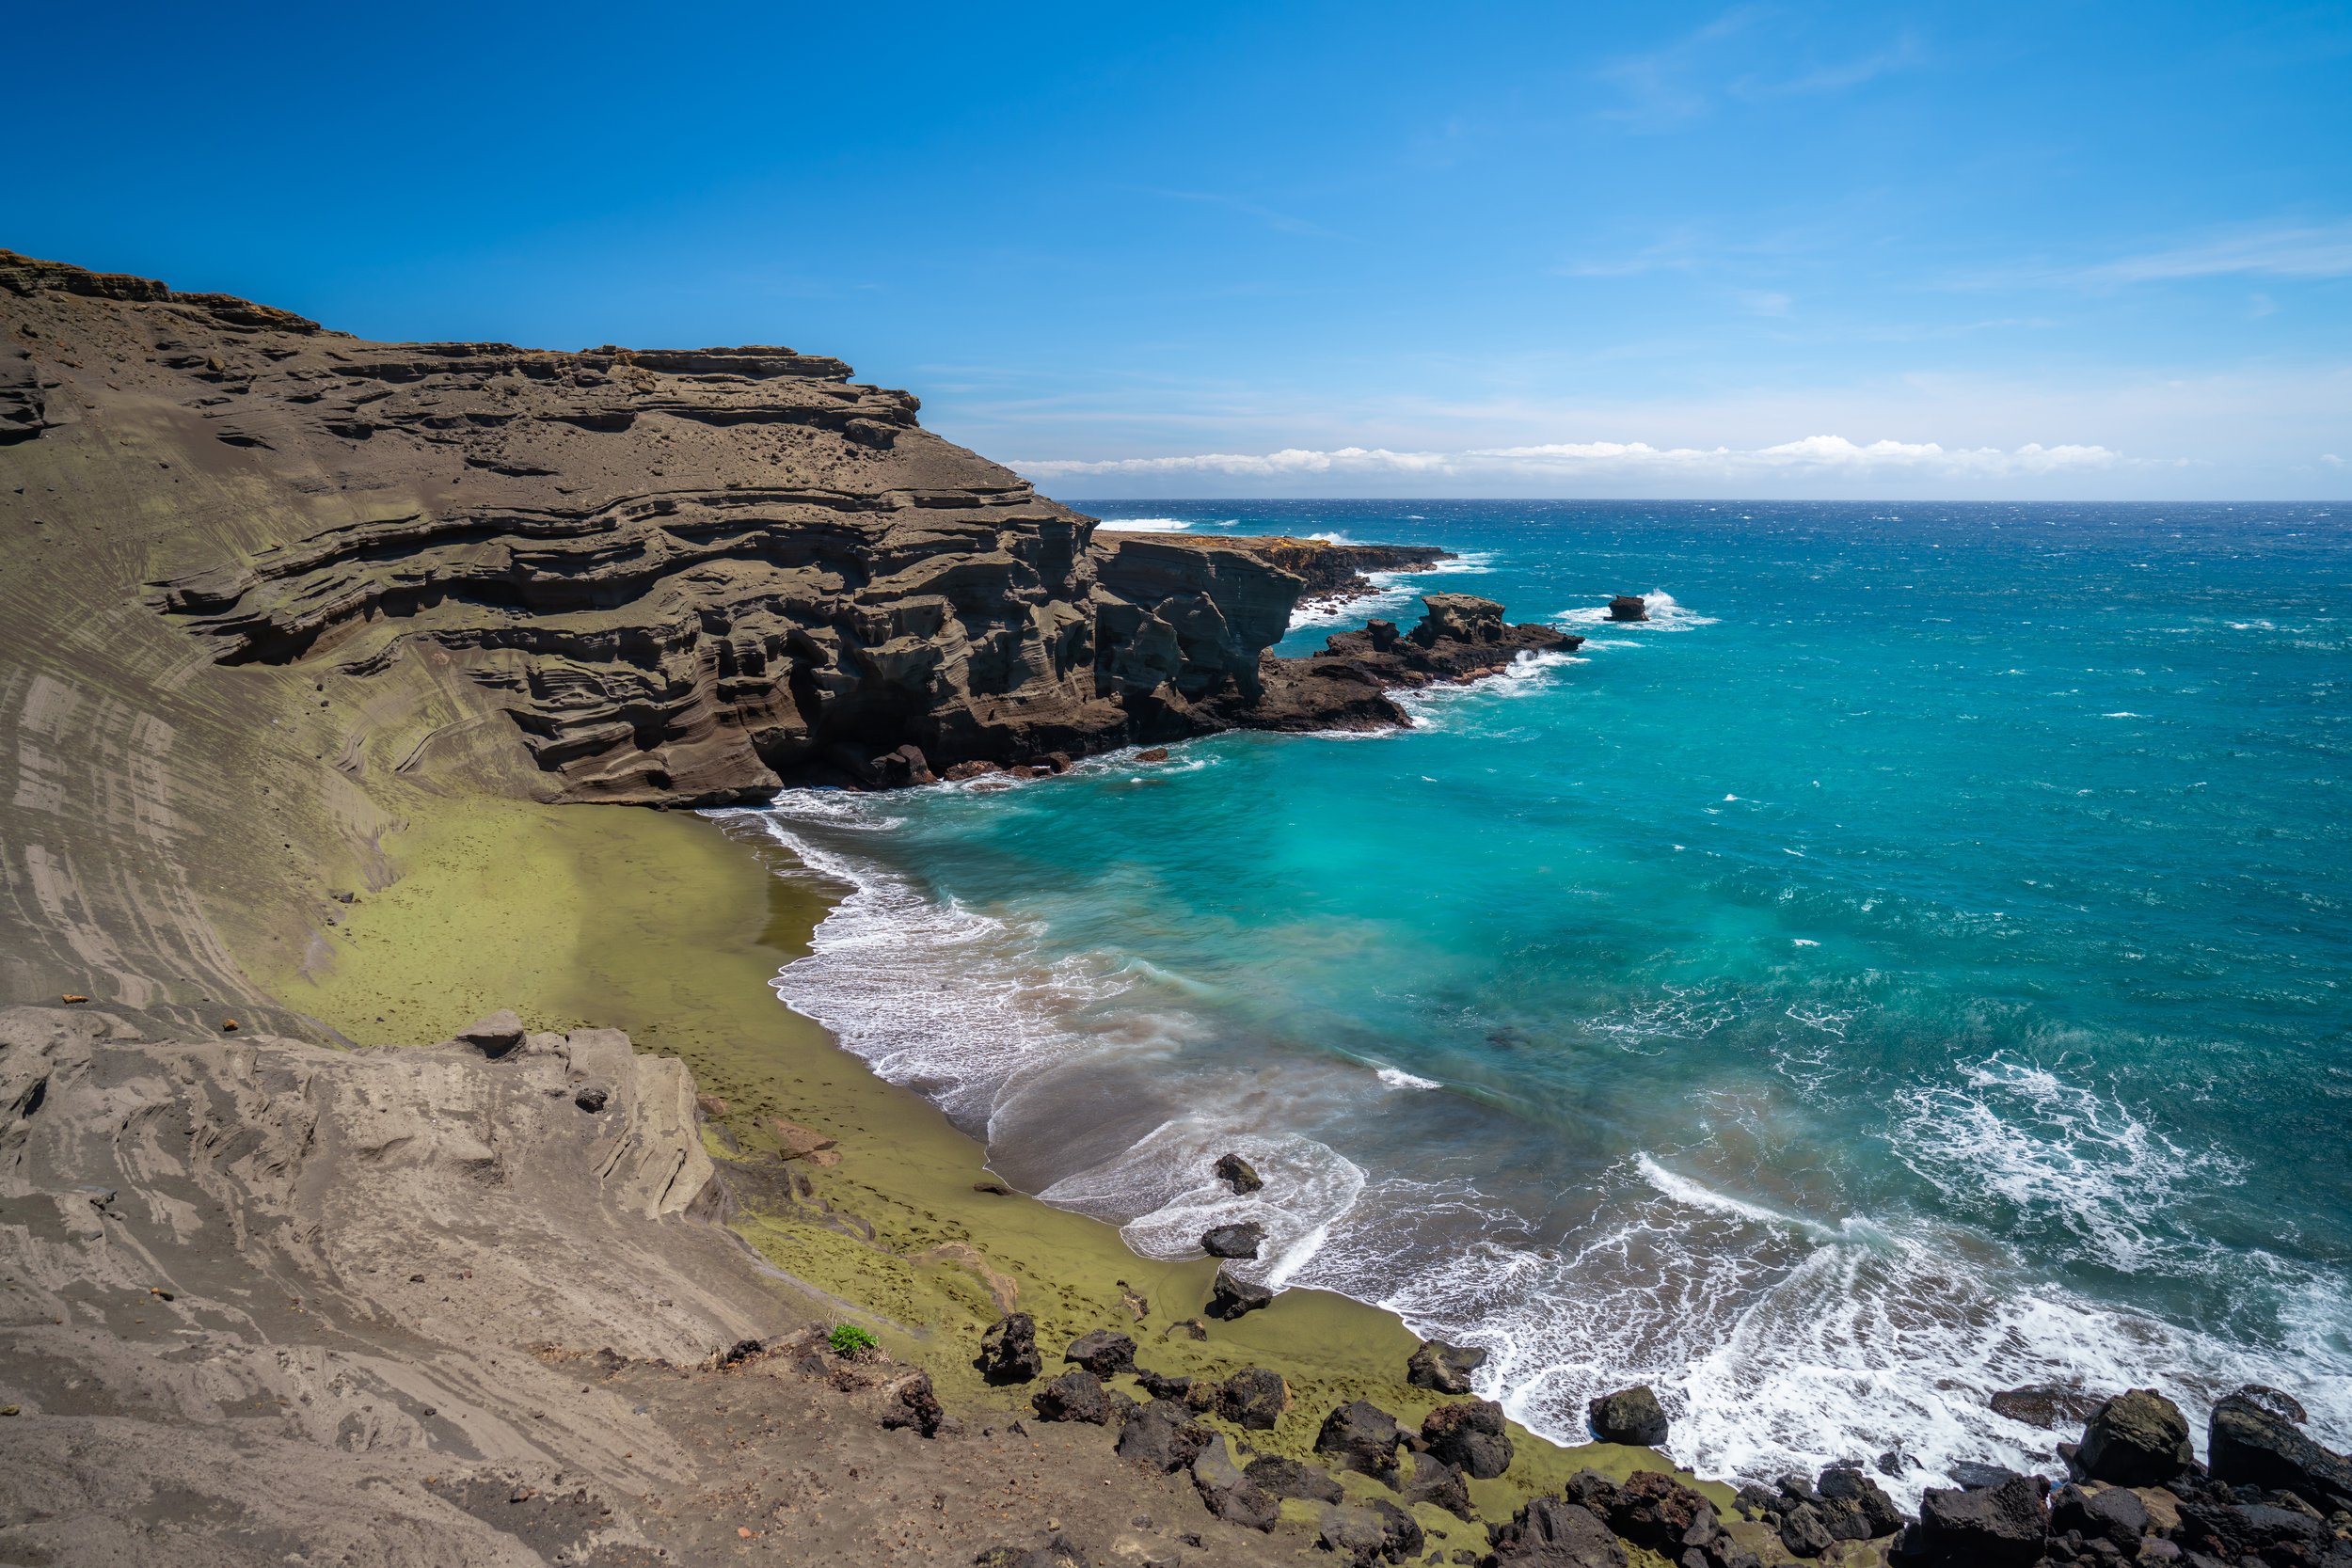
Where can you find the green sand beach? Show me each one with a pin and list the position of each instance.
(663, 924)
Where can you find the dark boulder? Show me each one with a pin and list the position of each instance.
(1293, 1478)
(1103, 1353)
(1360, 1437)
(1383, 635)
(1550, 1533)
(1074, 1396)
(1971, 1474)
(1990, 1527)
(1653, 1509)
(1229, 1493)
(1431, 1480)
(1631, 1415)
(1238, 1174)
(2111, 1513)
(1008, 1352)
(1470, 1437)
(2248, 1446)
(1231, 1295)
(1628, 607)
(917, 1407)
(1854, 1507)
(1443, 1367)
(1160, 1385)
(1803, 1529)
(1233, 1241)
(1253, 1398)
(2253, 1532)
(2139, 1438)
(1376, 1533)
(1162, 1436)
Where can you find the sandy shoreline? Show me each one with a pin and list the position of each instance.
(668, 927)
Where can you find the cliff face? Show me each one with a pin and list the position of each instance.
(684, 575)
(273, 591)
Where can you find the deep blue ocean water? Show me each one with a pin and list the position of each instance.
(1914, 965)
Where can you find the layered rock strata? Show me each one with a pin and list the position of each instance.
(684, 575)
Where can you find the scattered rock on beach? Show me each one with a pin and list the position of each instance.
(1360, 1437)
(1074, 1396)
(1103, 1353)
(1253, 1398)
(1443, 1367)
(1293, 1478)
(1231, 1295)
(1631, 1415)
(795, 1142)
(2113, 1513)
(1238, 1174)
(1992, 1527)
(1468, 1436)
(1163, 1436)
(1008, 1352)
(1233, 1241)
(1229, 1493)
(2139, 1438)
(1552, 1533)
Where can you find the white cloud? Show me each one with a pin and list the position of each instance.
(1605, 460)
(2280, 250)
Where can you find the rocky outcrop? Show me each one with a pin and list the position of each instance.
(1628, 607)
(674, 575)
(1331, 573)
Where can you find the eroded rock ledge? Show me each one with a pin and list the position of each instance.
(685, 576)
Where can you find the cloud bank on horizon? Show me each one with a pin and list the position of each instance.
(1565, 467)
(1782, 248)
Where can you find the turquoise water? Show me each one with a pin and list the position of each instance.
(1912, 966)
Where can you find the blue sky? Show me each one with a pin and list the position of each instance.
(2047, 250)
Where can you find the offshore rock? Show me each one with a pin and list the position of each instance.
(1233, 1241)
(1628, 607)
(1238, 1174)
(1631, 1415)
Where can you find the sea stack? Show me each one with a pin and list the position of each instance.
(1628, 607)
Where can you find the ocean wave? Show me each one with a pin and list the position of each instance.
(1397, 1078)
(1148, 525)
(1528, 675)
(2047, 1155)
(1665, 614)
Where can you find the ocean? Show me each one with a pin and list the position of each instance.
(1914, 964)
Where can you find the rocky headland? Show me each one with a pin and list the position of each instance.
(315, 648)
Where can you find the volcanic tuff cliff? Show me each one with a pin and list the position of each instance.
(240, 547)
(683, 574)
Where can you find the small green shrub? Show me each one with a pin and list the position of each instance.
(850, 1340)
